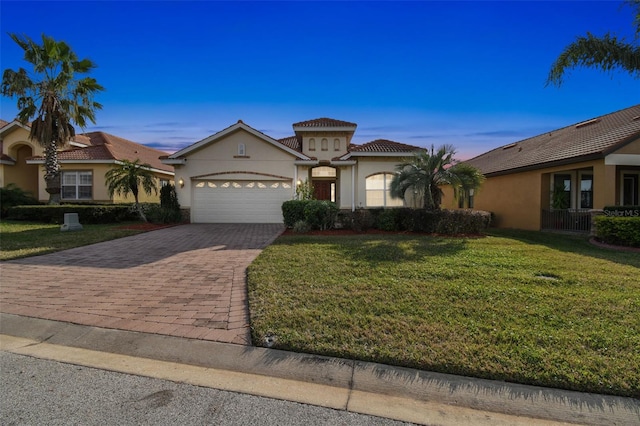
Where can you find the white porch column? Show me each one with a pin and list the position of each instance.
(353, 188)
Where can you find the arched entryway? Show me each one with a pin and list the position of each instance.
(23, 175)
(324, 181)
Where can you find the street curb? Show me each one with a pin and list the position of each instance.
(369, 379)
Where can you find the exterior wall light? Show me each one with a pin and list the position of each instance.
(181, 183)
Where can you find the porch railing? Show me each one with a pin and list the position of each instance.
(572, 220)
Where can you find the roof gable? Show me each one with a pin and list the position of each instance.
(588, 139)
(240, 125)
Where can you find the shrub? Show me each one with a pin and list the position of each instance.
(387, 220)
(320, 214)
(169, 209)
(89, 214)
(12, 195)
(293, 211)
(453, 222)
(301, 227)
(619, 230)
(360, 220)
(426, 220)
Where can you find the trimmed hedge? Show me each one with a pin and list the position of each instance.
(293, 211)
(11, 196)
(89, 214)
(450, 222)
(320, 214)
(623, 231)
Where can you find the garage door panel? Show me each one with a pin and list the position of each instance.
(239, 202)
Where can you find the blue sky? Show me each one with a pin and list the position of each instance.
(471, 74)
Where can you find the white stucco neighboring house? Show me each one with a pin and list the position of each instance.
(241, 175)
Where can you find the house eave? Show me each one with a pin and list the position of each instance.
(174, 161)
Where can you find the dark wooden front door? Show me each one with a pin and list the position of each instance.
(322, 189)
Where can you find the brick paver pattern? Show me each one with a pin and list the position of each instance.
(187, 281)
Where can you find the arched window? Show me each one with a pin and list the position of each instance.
(378, 193)
(324, 144)
(336, 144)
(312, 144)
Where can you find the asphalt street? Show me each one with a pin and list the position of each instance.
(37, 392)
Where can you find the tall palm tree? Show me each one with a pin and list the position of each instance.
(126, 177)
(607, 53)
(428, 170)
(53, 97)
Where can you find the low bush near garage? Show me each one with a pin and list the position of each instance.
(293, 211)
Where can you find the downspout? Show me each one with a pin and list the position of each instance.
(353, 188)
(295, 180)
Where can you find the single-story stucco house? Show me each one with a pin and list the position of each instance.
(552, 180)
(84, 164)
(241, 175)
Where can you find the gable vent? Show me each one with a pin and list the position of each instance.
(586, 123)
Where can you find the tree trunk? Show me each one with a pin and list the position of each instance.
(52, 174)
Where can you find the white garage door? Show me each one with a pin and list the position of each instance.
(218, 201)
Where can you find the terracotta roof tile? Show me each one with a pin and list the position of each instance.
(292, 142)
(99, 152)
(324, 122)
(3, 123)
(122, 149)
(383, 145)
(594, 137)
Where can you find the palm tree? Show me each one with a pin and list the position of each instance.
(63, 99)
(127, 176)
(607, 53)
(428, 170)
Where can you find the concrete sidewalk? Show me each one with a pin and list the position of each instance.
(392, 392)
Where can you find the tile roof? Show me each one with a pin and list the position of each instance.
(383, 145)
(98, 152)
(324, 122)
(292, 142)
(123, 149)
(106, 147)
(589, 139)
(3, 123)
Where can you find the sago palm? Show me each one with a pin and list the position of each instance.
(425, 173)
(52, 98)
(126, 178)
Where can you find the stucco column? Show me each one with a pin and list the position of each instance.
(604, 185)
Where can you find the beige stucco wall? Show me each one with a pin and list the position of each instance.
(100, 191)
(368, 166)
(221, 156)
(332, 138)
(630, 148)
(517, 199)
(17, 145)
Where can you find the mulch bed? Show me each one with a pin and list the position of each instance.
(600, 244)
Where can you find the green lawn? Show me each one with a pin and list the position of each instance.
(23, 239)
(525, 307)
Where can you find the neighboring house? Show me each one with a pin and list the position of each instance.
(552, 180)
(83, 165)
(242, 175)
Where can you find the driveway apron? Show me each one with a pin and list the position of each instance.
(186, 281)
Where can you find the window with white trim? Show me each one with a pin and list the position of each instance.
(77, 185)
(378, 191)
(242, 150)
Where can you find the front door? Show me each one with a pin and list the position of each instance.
(324, 190)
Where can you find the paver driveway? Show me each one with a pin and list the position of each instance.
(187, 281)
